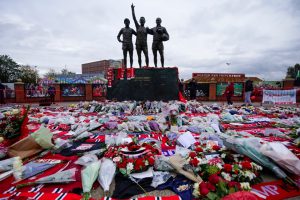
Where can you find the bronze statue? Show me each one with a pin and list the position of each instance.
(127, 45)
(141, 38)
(160, 34)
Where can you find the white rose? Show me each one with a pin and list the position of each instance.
(117, 159)
(245, 186)
(129, 166)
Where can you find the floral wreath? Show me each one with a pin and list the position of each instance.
(132, 158)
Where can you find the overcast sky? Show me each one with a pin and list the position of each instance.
(257, 37)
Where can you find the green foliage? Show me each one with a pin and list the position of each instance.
(65, 71)
(29, 74)
(51, 74)
(212, 169)
(212, 196)
(9, 69)
(293, 71)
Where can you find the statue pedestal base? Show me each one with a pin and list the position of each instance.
(148, 84)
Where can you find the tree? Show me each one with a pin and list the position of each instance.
(29, 74)
(292, 71)
(65, 71)
(51, 74)
(9, 69)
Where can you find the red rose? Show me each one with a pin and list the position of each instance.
(247, 159)
(216, 148)
(139, 164)
(214, 179)
(151, 160)
(246, 165)
(227, 168)
(193, 154)
(204, 191)
(211, 187)
(238, 185)
(199, 149)
(202, 185)
(194, 162)
(231, 184)
(197, 143)
(122, 164)
(130, 160)
(133, 147)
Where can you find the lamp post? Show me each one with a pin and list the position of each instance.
(36, 74)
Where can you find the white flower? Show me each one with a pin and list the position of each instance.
(226, 176)
(129, 167)
(223, 155)
(248, 174)
(219, 166)
(245, 186)
(256, 166)
(117, 159)
(196, 192)
(223, 148)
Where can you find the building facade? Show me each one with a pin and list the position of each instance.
(100, 66)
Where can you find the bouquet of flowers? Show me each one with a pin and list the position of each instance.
(132, 158)
(65, 176)
(216, 188)
(10, 125)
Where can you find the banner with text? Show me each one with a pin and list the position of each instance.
(279, 96)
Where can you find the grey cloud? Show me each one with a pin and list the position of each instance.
(258, 37)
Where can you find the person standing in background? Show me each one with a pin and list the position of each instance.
(229, 93)
(181, 86)
(248, 91)
(51, 92)
(193, 89)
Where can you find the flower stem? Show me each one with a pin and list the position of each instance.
(25, 185)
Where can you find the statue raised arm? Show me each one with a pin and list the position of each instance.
(134, 18)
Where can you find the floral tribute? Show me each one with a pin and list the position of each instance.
(11, 124)
(132, 157)
(222, 173)
(215, 188)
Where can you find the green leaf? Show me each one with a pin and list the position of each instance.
(123, 171)
(212, 196)
(222, 186)
(235, 167)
